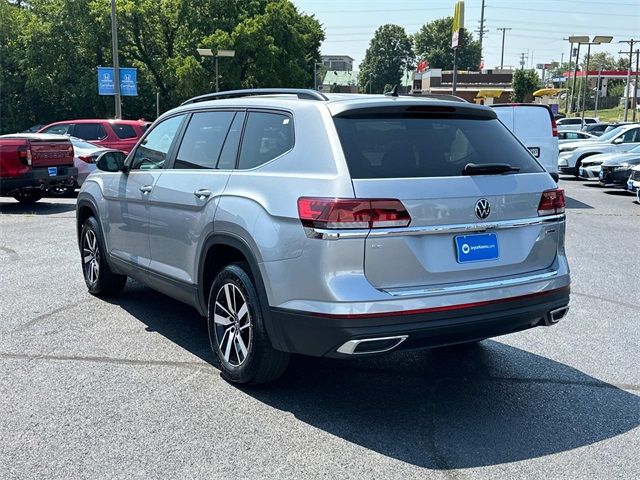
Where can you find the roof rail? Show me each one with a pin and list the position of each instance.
(301, 93)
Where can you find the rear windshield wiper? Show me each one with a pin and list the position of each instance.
(488, 169)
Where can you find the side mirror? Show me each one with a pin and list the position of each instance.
(112, 161)
(618, 141)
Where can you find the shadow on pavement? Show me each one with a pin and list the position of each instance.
(577, 204)
(45, 206)
(619, 193)
(453, 408)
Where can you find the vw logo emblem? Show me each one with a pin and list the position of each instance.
(483, 209)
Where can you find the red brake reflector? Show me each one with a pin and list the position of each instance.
(343, 213)
(554, 127)
(552, 202)
(87, 158)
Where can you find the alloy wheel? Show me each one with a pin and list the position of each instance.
(91, 257)
(232, 324)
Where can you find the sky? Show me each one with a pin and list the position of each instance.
(537, 27)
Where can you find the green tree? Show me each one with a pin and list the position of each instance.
(49, 51)
(433, 42)
(525, 82)
(388, 55)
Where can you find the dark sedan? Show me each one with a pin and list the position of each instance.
(616, 171)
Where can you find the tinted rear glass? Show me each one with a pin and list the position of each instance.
(89, 131)
(406, 146)
(123, 131)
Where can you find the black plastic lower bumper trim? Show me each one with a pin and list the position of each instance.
(309, 334)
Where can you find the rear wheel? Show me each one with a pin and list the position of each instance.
(98, 276)
(237, 332)
(28, 196)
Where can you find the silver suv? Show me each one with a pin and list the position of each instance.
(334, 226)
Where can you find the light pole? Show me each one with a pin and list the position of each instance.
(576, 39)
(568, 93)
(116, 66)
(315, 74)
(504, 30)
(597, 40)
(207, 52)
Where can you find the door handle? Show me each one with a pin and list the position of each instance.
(202, 193)
(146, 189)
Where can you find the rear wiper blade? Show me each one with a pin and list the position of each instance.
(488, 169)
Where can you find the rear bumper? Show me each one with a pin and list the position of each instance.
(39, 178)
(322, 335)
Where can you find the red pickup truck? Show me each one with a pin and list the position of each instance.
(33, 162)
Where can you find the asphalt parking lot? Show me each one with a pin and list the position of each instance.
(127, 387)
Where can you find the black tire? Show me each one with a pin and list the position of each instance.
(28, 197)
(99, 278)
(252, 360)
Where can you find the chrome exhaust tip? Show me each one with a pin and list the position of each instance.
(554, 316)
(367, 346)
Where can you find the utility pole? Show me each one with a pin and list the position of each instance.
(595, 114)
(523, 55)
(116, 66)
(504, 30)
(481, 31)
(628, 89)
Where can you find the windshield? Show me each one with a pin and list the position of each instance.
(611, 134)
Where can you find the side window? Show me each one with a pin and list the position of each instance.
(572, 135)
(61, 129)
(89, 131)
(266, 136)
(153, 150)
(631, 136)
(229, 153)
(123, 131)
(203, 139)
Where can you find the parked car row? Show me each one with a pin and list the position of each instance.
(611, 158)
(58, 157)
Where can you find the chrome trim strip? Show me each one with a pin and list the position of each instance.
(348, 348)
(325, 234)
(509, 282)
(470, 227)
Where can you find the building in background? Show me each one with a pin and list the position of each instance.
(472, 86)
(340, 81)
(338, 62)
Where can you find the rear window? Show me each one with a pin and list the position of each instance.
(408, 146)
(123, 131)
(89, 131)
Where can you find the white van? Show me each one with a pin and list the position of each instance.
(533, 124)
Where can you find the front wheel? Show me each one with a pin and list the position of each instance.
(28, 197)
(237, 333)
(99, 278)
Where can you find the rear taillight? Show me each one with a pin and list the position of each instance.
(24, 155)
(554, 127)
(551, 202)
(342, 213)
(87, 158)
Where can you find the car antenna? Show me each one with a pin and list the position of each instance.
(393, 92)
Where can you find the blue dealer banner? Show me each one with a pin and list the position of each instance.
(128, 81)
